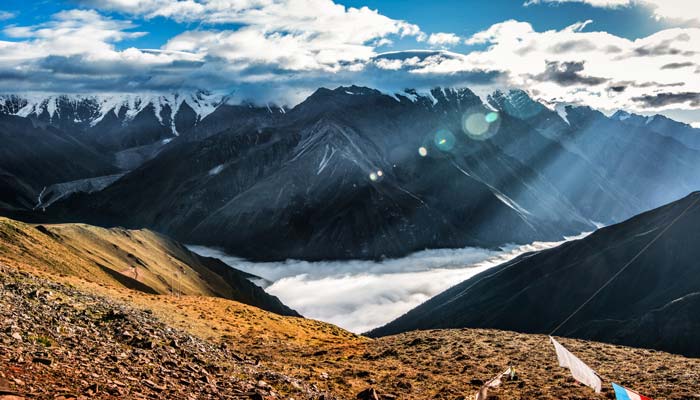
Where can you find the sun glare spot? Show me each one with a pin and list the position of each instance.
(444, 140)
(476, 124)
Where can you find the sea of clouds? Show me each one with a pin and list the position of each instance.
(359, 295)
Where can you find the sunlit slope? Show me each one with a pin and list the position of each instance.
(136, 259)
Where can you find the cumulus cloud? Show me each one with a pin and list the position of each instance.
(443, 39)
(682, 10)
(571, 66)
(678, 65)
(296, 35)
(302, 44)
(76, 49)
(567, 74)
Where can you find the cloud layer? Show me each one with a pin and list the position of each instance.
(361, 295)
(281, 50)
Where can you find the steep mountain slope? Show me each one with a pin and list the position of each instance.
(140, 260)
(652, 303)
(610, 170)
(128, 129)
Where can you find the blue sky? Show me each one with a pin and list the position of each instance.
(634, 54)
(463, 17)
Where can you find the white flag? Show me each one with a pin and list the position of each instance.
(579, 370)
(494, 383)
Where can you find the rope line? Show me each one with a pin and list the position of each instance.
(632, 260)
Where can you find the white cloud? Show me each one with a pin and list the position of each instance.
(443, 39)
(284, 35)
(76, 49)
(361, 295)
(593, 68)
(681, 10)
(68, 33)
(288, 48)
(696, 125)
(5, 15)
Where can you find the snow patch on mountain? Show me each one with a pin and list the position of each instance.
(165, 106)
(216, 170)
(563, 114)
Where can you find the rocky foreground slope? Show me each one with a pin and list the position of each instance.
(62, 336)
(60, 343)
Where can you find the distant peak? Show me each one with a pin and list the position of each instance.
(515, 102)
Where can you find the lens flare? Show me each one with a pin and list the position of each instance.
(422, 151)
(476, 124)
(444, 140)
(480, 123)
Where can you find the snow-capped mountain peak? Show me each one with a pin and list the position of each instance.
(91, 109)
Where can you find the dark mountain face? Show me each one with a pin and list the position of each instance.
(355, 173)
(32, 158)
(58, 145)
(652, 303)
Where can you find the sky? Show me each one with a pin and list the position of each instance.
(638, 55)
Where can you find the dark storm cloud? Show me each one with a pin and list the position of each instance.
(573, 45)
(678, 65)
(79, 65)
(666, 99)
(618, 88)
(567, 74)
(645, 84)
(664, 48)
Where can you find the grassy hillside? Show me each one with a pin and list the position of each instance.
(134, 259)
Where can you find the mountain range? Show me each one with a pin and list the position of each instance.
(348, 173)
